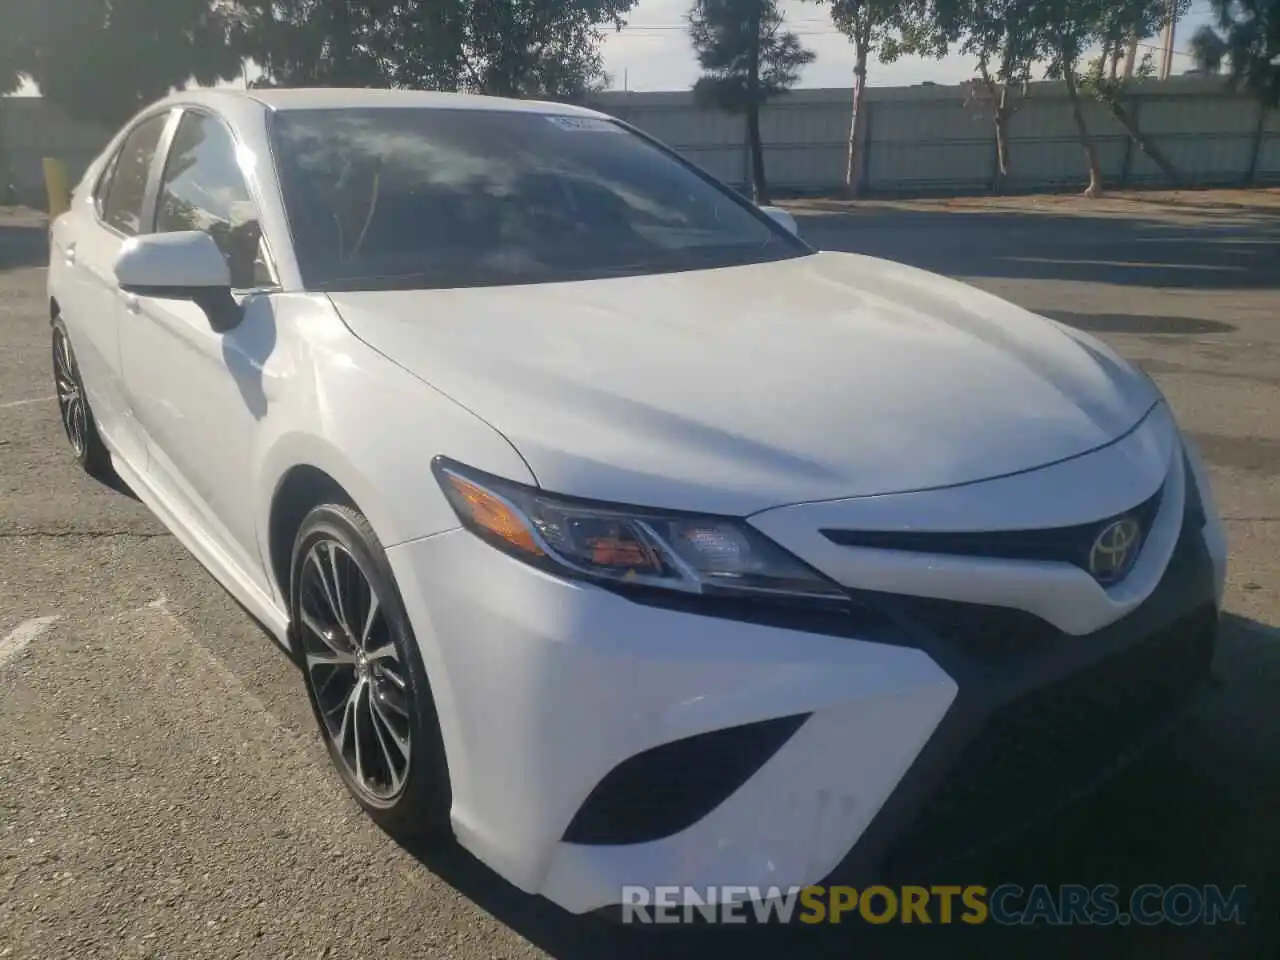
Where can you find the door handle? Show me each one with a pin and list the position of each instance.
(130, 302)
(69, 254)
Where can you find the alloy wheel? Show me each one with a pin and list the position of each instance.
(359, 683)
(71, 405)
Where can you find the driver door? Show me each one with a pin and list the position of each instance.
(199, 395)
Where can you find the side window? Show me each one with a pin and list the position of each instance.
(125, 186)
(203, 189)
(104, 184)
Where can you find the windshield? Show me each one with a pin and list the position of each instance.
(410, 198)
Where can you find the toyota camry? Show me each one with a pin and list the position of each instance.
(616, 531)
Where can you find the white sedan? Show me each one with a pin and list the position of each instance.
(617, 531)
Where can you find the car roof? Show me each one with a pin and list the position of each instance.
(330, 98)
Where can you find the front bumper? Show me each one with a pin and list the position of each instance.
(544, 686)
(575, 720)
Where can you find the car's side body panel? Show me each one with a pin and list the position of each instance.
(205, 426)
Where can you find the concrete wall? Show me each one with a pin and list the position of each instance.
(924, 139)
(918, 139)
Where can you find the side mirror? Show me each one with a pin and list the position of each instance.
(778, 215)
(186, 265)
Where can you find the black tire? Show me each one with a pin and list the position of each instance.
(395, 682)
(74, 411)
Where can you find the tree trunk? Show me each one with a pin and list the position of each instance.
(1259, 134)
(1002, 151)
(1000, 116)
(853, 162)
(1140, 139)
(1086, 142)
(1131, 57)
(759, 188)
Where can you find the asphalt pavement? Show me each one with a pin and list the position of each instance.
(163, 793)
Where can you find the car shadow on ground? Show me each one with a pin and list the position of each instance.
(1198, 810)
(1211, 253)
(24, 242)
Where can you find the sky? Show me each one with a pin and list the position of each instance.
(653, 52)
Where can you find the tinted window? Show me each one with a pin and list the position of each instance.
(204, 189)
(104, 184)
(411, 197)
(122, 208)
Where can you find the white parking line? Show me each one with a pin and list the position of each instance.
(23, 634)
(25, 403)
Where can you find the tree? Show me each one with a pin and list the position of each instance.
(1069, 28)
(747, 59)
(994, 33)
(547, 48)
(1066, 29)
(102, 60)
(527, 48)
(18, 20)
(885, 29)
(1117, 22)
(326, 43)
(1209, 50)
(1247, 36)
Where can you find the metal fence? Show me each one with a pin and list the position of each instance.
(924, 139)
(917, 139)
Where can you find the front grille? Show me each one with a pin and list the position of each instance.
(1039, 751)
(1050, 545)
(988, 634)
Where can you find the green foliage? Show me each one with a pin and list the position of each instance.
(727, 47)
(888, 29)
(995, 33)
(1065, 29)
(102, 60)
(313, 42)
(547, 48)
(1209, 50)
(537, 47)
(1247, 36)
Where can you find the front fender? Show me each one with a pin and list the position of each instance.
(373, 428)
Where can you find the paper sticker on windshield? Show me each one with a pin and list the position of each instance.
(584, 123)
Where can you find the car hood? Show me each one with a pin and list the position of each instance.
(733, 390)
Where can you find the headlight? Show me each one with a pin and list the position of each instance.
(628, 545)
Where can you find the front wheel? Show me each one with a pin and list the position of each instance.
(73, 408)
(364, 676)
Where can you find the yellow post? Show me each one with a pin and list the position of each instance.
(57, 185)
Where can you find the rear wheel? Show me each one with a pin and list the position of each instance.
(364, 676)
(73, 408)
